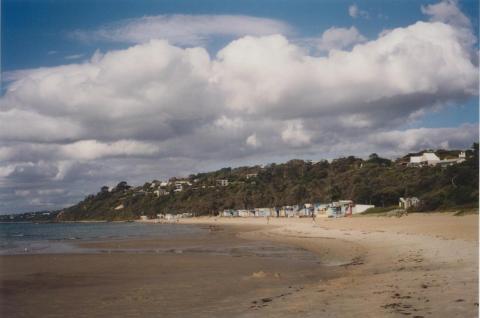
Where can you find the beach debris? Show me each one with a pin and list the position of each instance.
(267, 300)
(259, 274)
(214, 228)
(355, 261)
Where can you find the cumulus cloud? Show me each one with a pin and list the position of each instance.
(155, 109)
(183, 29)
(339, 38)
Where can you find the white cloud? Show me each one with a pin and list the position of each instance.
(74, 56)
(447, 11)
(22, 193)
(156, 91)
(354, 11)
(426, 138)
(27, 125)
(355, 121)
(229, 123)
(295, 135)
(185, 29)
(253, 141)
(50, 191)
(339, 38)
(92, 149)
(422, 62)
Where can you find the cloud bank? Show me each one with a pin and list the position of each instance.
(156, 109)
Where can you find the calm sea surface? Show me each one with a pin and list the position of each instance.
(19, 238)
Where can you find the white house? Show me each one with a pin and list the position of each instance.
(426, 159)
(222, 182)
(431, 159)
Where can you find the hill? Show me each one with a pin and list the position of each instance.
(376, 181)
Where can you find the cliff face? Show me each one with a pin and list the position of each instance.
(374, 181)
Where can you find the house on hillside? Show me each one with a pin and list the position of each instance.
(138, 192)
(222, 182)
(406, 203)
(179, 185)
(160, 192)
(462, 157)
(426, 159)
(431, 159)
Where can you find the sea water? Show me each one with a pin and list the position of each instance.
(20, 238)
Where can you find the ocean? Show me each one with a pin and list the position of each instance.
(22, 238)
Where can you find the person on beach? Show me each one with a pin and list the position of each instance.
(313, 217)
(268, 219)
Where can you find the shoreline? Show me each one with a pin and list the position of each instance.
(419, 266)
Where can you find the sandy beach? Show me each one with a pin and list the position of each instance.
(420, 265)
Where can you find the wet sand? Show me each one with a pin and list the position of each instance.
(216, 274)
(414, 266)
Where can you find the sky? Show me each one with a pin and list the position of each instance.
(96, 92)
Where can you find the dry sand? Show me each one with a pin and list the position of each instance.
(417, 266)
(420, 265)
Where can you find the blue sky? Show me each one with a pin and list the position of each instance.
(33, 28)
(92, 94)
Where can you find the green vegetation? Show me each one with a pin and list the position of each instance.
(375, 181)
